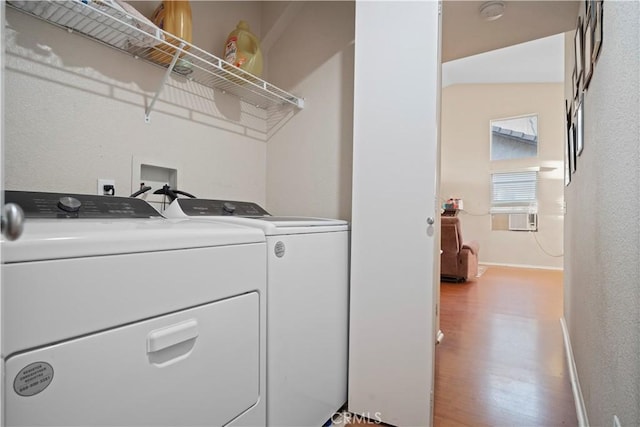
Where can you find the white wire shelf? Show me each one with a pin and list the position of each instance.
(117, 29)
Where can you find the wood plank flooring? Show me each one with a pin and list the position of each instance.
(502, 360)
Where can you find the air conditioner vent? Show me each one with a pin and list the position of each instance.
(523, 222)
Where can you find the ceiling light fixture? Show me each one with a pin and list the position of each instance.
(492, 10)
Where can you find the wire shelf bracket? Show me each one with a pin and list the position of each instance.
(147, 111)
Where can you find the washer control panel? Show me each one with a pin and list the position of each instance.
(207, 207)
(37, 204)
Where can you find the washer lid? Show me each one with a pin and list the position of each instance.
(46, 239)
(299, 221)
(214, 210)
(275, 226)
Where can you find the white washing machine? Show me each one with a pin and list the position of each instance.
(115, 316)
(307, 307)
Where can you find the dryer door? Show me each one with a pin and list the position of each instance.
(196, 367)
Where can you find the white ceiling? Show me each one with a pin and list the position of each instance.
(465, 33)
(537, 61)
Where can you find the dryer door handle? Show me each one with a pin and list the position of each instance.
(160, 339)
(12, 221)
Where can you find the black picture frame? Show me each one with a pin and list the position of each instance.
(587, 11)
(567, 167)
(597, 32)
(592, 11)
(579, 126)
(578, 52)
(574, 84)
(588, 62)
(567, 151)
(572, 149)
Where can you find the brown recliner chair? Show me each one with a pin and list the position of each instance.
(459, 259)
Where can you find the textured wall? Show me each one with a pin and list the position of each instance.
(602, 238)
(466, 168)
(309, 159)
(75, 113)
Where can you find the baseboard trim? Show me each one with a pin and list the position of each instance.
(581, 411)
(537, 267)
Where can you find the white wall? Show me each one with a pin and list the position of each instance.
(466, 169)
(602, 228)
(75, 113)
(309, 158)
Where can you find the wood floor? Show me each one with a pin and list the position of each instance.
(502, 360)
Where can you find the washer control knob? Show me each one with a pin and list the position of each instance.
(69, 204)
(228, 207)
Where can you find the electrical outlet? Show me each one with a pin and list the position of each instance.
(106, 187)
(616, 421)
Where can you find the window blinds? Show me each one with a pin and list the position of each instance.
(514, 192)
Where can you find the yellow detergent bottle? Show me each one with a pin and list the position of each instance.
(242, 49)
(173, 16)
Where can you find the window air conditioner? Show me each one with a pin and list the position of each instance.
(523, 222)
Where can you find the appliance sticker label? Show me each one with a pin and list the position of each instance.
(33, 378)
(279, 249)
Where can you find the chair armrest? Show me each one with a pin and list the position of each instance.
(473, 246)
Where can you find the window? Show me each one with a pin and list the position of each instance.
(515, 138)
(514, 192)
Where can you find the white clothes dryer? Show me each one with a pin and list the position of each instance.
(307, 307)
(115, 316)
